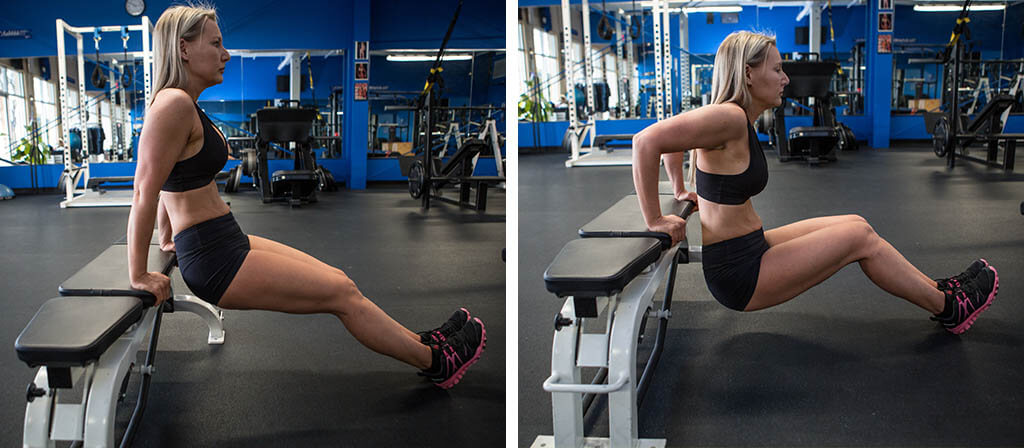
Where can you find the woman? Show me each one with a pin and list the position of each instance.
(747, 268)
(180, 152)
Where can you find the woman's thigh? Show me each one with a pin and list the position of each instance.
(274, 282)
(792, 267)
(260, 243)
(787, 232)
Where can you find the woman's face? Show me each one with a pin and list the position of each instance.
(767, 81)
(205, 57)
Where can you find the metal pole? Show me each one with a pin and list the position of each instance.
(658, 78)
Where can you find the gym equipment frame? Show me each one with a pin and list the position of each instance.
(73, 174)
(614, 270)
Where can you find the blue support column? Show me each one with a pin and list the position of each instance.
(356, 112)
(878, 96)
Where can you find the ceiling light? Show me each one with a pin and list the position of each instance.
(427, 58)
(713, 9)
(957, 8)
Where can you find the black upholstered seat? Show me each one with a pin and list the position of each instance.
(107, 274)
(594, 267)
(74, 331)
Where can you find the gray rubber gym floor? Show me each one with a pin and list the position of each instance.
(290, 380)
(844, 364)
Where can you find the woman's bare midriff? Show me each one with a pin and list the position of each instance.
(720, 222)
(188, 208)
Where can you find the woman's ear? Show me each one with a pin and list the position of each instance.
(182, 48)
(747, 72)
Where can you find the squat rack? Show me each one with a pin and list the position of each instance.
(72, 173)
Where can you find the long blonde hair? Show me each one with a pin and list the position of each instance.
(738, 50)
(177, 22)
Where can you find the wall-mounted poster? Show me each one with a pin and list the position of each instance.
(884, 4)
(885, 21)
(362, 50)
(885, 43)
(362, 71)
(360, 91)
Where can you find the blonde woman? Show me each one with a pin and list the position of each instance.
(180, 152)
(746, 267)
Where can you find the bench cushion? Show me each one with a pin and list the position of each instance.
(69, 331)
(294, 175)
(596, 267)
(813, 132)
(624, 220)
(107, 274)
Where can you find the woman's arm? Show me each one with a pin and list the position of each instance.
(164, 135)
(707, 127)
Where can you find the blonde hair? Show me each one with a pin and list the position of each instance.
(177, 22)
(738, 50)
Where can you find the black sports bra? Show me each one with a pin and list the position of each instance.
(735, 189)
(199, 170)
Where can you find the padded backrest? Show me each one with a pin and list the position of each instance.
(599, 267)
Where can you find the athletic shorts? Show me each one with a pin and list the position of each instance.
(731, 268)
(210, 254)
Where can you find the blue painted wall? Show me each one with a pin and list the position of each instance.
(269, 24)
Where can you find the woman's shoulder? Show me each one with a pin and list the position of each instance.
(172, 103)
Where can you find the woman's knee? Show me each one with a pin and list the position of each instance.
(865, 238)
(345, 295)
(856, 219)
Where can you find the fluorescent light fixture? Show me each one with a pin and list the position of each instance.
(958, 8)
(427, 58)
(713, 9)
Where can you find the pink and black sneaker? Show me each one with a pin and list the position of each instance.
(948, 284)
(447, 329)
(966, 302)
(456, 354)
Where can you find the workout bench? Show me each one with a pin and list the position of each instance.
(614, 269)
(92, 333)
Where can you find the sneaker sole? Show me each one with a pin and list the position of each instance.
(959, 329)
(450, 382)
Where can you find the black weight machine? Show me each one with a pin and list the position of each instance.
(427, 173)
(818, 142)
(277, 127)
(952, 131)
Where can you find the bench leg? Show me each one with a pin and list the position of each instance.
(210, 314)
(105, 387)
(622, 408)
(1009, 154)
(37, 415)
(567, 407)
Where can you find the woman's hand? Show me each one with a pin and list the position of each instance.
(167, 247)
(688, 196)
(154, 283)
(673, 225)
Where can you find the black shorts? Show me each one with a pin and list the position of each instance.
(210, 254)
(731, 268)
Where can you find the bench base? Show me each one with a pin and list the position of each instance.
(596, 442)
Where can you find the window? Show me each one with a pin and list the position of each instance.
(612, 80)
(46, 110)
(15, 108)
(522, 61)
(546, 48)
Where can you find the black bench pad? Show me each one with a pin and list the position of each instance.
(813, 132)
(73, 331)
(107, 274)
(599, 267)
(624, 220)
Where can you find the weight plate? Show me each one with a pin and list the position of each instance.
(940, 137)
(416, 179)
